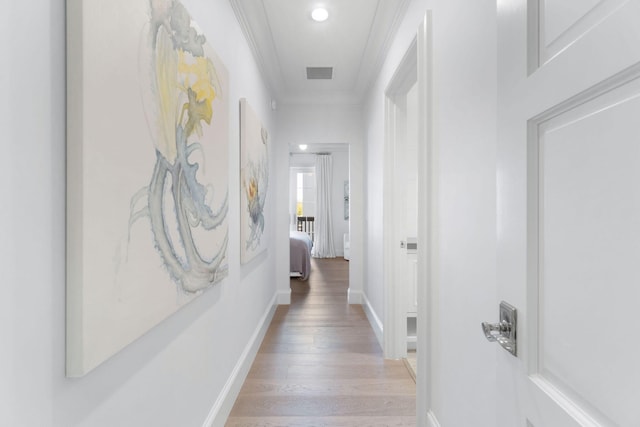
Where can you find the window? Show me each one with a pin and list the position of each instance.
(306, 193)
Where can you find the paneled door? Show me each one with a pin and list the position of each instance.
(568, 226)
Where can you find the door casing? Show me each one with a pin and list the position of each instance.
(415, 68)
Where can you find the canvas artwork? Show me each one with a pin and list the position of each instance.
(147, 173)
(254, 170)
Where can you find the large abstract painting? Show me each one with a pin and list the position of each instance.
(147, 173)
(254, 170)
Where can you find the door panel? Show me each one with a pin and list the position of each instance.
(589, 243)
(560, 15)
(568, 189)
(558, 30)
(562, 22)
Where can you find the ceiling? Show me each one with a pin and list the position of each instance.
(285, 41)
(318, 148)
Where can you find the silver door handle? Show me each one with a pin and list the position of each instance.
(505, 331)
(502, 329)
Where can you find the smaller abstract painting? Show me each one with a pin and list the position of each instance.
(254, 175)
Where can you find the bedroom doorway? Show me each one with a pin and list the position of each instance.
(303, 209)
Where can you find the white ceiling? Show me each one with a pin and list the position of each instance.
(318, 148)
(353, 40)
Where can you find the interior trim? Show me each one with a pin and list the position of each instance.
(224, 403)
(432, 420)
(373, 318)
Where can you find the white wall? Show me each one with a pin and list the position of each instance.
(464, 60)
(323, 124)
(173, 374)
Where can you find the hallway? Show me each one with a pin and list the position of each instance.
(321, 365)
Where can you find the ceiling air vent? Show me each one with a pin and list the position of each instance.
(319, 73)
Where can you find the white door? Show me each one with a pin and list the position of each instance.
(409, 218)
(406, 204)
(568, 185)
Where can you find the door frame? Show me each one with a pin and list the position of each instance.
(427, 229)
(418, 59)
(404, 78)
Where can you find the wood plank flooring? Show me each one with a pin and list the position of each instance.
(321, 365)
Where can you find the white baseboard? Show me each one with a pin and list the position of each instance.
(283, 297)
(222, 407)
(432, 421)
(374, 320)
(354, 297)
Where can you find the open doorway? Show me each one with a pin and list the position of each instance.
(306, 210)
(401, 210)
(408, 284)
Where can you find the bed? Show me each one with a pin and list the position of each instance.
(300, 245)
(306, 224)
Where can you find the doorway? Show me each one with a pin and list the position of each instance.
(401, 208)
(303, 191)
(410, 250)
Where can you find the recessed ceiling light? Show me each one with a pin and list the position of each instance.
(303, 146)
(320, 14)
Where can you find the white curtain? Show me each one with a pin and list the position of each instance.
(323, 242)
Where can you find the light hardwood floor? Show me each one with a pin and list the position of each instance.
(321, 365)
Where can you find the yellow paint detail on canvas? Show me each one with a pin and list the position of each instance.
(252, 189)
(166, 72)
(196, 74)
